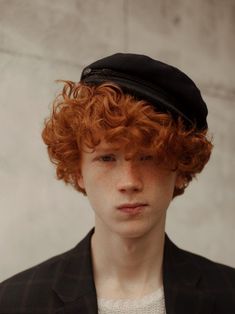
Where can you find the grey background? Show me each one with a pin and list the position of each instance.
(41, 41)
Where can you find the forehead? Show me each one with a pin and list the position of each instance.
(104, 147)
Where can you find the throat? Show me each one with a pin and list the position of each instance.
(129, 271)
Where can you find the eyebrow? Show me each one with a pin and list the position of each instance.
(106, 150)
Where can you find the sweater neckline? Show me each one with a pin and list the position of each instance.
(148, 298)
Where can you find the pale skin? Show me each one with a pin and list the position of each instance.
(130, 199)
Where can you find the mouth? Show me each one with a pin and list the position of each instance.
(132, 208)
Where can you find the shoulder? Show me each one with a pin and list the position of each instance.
(34, 290)
(188, 267)
(214, 274)
(204, 283)
(33, 284)
(45, 269)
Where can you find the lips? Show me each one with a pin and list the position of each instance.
(132, 208)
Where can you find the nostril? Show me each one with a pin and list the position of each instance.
(130, 186)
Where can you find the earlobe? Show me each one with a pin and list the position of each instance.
(180, 182)
(80, 181)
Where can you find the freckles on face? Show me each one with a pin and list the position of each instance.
(94, 169)
(110, 180)
(107, 170)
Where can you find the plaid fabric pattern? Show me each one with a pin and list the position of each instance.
(64, 285)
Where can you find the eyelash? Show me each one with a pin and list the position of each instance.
(106, 158)
(145, 158)
(109, 158)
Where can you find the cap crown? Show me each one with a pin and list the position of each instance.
(164, 86)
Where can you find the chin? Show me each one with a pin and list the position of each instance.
(132, 230)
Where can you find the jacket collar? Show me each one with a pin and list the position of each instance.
(181, 275)
(75, 281)
(181, 279)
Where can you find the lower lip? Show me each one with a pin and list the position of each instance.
(132, 210)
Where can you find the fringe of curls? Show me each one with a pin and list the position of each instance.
(82, 115)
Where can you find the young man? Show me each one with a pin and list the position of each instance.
(130, 135)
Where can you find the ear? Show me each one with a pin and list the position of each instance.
(180, 181)
(80, 180)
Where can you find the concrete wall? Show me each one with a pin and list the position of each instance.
(41, 41)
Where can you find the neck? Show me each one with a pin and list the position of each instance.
(127, 266)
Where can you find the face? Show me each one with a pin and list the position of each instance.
(129, 197)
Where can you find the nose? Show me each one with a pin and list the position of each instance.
(129, 179)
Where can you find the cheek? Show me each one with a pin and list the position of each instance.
(99, 189)
(162, 182)
(94, 184)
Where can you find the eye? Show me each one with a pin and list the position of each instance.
(106, 158)
(147, 157)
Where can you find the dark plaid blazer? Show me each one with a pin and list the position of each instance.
(64, 285)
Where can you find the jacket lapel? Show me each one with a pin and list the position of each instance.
(75, 287)
(181, 280)
(75, 284)
(86, 304)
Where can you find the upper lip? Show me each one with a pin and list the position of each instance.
(131, 205)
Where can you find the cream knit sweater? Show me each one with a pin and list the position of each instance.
(153, 303)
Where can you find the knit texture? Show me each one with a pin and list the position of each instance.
(153, 303)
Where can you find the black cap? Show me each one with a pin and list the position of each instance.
(167, 88)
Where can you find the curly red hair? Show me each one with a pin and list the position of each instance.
(82, 115)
